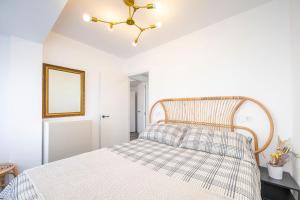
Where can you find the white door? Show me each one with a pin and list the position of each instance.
(132, 112)
(141, 107)
(114, 109)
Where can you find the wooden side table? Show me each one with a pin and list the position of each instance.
(272, 189)
(5, 170)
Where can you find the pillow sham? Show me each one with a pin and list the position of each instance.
(222, 143)
(169, 134)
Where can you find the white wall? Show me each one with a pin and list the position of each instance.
(22, 97)
(99, 66)
(248, 54)
(4, 63)
(21, 93)
(295, 41)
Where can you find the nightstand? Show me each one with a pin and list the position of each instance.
(5, 170)
(272, 189)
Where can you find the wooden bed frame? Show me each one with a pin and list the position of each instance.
(216, 113)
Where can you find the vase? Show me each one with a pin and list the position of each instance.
(275, 172)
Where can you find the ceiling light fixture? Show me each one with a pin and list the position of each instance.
(132, 9)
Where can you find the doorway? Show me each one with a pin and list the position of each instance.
(138, 104)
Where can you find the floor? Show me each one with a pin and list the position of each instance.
(134, 135)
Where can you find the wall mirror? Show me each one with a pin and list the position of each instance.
(63, 91)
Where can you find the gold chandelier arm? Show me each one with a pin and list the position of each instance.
(129, 11)
(134, 11)
(148, 6)
(138, 37)
(139, 27)
(109, 22)
(142, 30)
(103, 21)
(116, 23)
(149, 27)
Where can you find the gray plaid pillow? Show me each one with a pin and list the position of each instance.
(224, 143)
(164, 133)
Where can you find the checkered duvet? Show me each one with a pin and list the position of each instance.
(20, 188)
(234, 178)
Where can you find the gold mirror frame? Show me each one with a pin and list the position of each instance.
(46, 114)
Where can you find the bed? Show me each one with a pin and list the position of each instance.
(193, 152)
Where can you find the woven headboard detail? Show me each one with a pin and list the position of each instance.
(216, 113)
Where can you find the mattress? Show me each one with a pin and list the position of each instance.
(141, 169)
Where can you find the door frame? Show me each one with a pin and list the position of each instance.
(131, 76)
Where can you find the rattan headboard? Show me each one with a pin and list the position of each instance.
(214, 112)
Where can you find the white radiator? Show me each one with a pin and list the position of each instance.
(65, 139)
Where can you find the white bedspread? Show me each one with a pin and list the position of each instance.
(105, 175)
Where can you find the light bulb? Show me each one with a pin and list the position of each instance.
(157, 6)
(158, 25)
(86, 17)
(134, 43)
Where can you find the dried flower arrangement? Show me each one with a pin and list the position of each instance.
(283, 154)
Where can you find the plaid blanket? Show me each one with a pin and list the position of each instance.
(20, 188)
(234, 178)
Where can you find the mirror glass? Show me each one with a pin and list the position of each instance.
(63, 91)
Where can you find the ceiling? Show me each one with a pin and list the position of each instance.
(179, 17)
(33, 20)
(30, 19)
